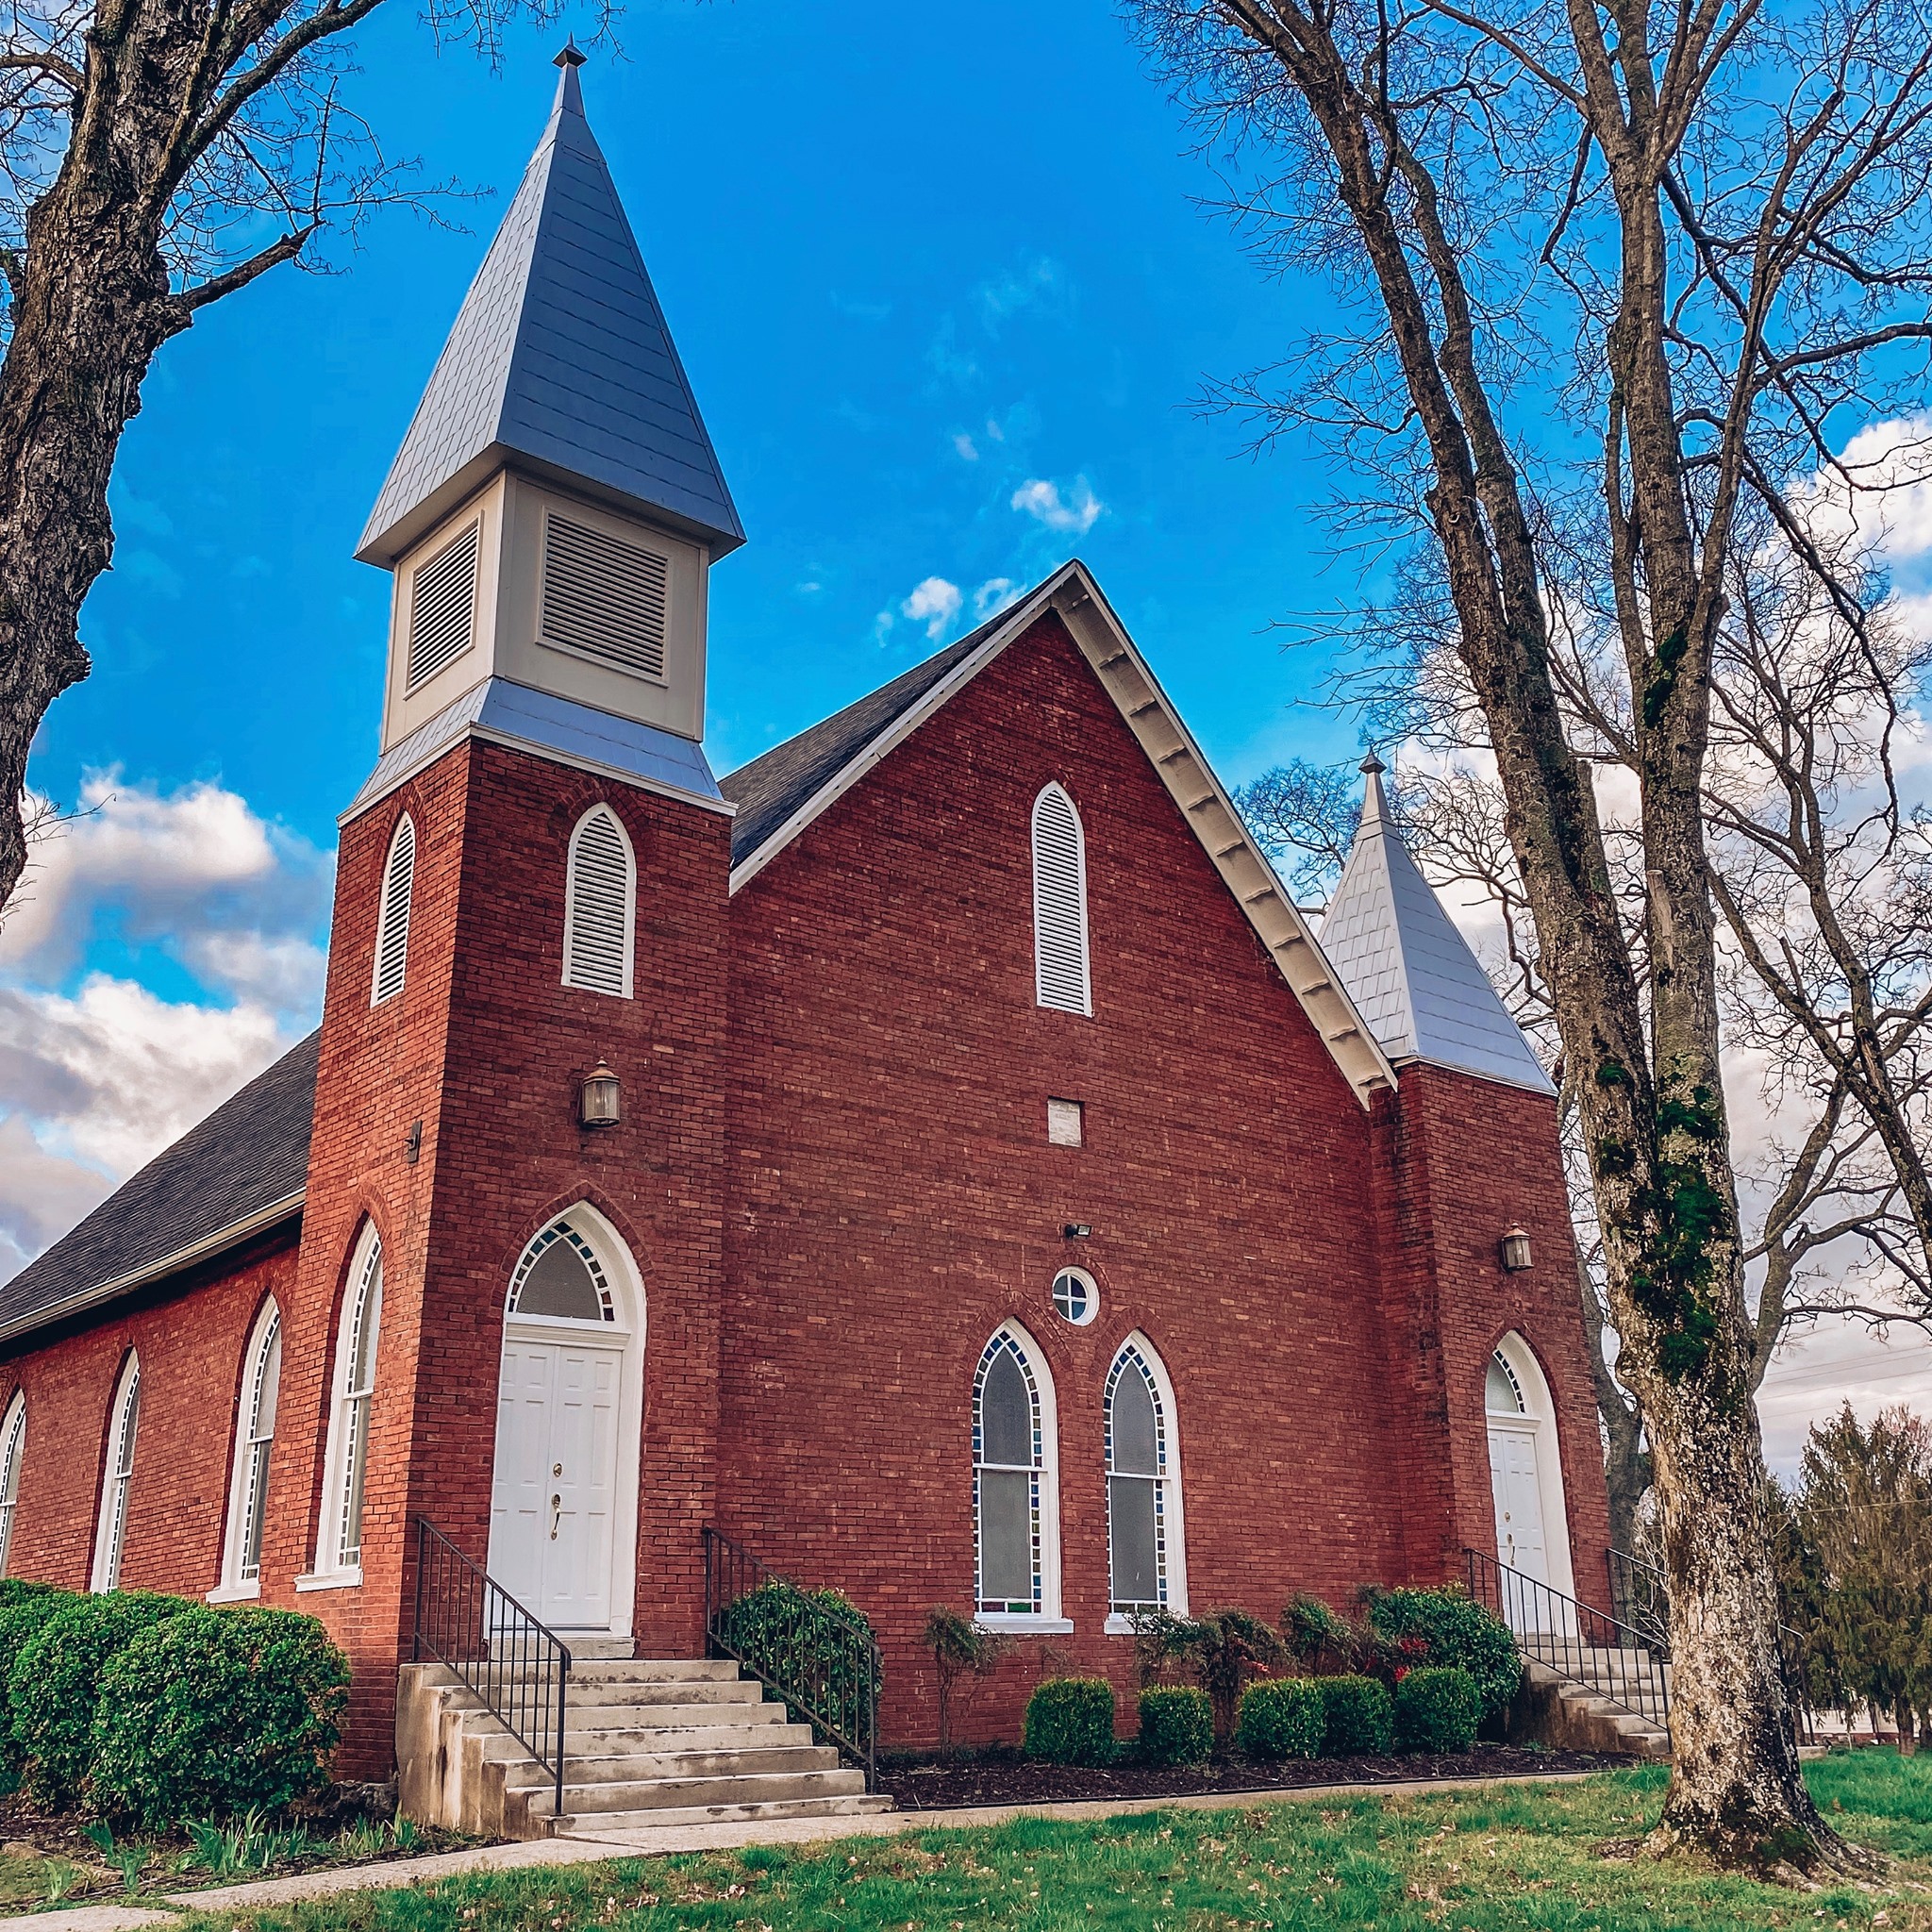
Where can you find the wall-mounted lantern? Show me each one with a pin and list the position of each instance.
(1515, 1251)
(600, 1100)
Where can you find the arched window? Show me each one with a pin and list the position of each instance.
(1015, 1488)
(1502, 1391)
(392, 914)
(561, 1278)
(599, 906)
(111, 1535)
(262, 1376)
(12, 1451)
(339, 1555)
(1060, 904)
(1145, 1544)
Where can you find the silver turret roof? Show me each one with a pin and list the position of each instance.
(1411, 974)
(560, 363)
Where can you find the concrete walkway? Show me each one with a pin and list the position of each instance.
(583, 1848)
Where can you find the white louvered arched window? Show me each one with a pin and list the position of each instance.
(12, 1451)
(261, 1378)
(1060, 904)
(111, 1536)
(599, 906)
(393, 915)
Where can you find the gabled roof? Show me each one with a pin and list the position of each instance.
(239, 1170)
(1411, 970)
(560, 358)
(779, 795)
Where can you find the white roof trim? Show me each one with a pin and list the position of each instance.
(201, 1250)
(1189, 781)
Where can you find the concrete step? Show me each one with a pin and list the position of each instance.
(664, 1693)
(669, 1817)
(641, 1670)
(625, 1733)
(660, 1793)
(657, 1766)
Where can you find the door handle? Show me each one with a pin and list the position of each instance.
(556, 1515)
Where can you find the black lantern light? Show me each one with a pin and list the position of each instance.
(1515, 1251)
(599, 1098)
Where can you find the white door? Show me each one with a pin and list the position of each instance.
(1516, 1487)
(554, 1498)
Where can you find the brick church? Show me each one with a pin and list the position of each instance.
(940, 1154)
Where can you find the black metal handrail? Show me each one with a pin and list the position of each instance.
(518, 1667)
(1589, 1646)
(820, 1657)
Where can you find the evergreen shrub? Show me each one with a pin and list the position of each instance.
(1070, 1720)
(1285, 1717)
(816, 1644)
(1360, 1717)
(1176, 1725)
(1452, 1630)
(54, 1683)
(212, 1712)
(24, 1608)
(1437, 1710)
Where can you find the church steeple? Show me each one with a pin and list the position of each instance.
(1408, 969)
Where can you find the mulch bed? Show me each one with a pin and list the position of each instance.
(1013, 1780)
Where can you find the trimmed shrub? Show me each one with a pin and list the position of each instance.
(1176, 1725)
(1284, 1717)
(1437, 1710)
(54, 1683)
(1070, 1720)
(814, 1642)
(1454, 1631)
(1359, 1716)
(25, 1609)
(212, 1712)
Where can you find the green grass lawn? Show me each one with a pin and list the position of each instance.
(1519, 1856)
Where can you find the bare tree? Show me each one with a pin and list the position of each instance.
(156, 156)
(1714, 216)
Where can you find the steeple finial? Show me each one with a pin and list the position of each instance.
(570, 95)
(1374, 800)
(572, 56)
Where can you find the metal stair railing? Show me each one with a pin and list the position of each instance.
(1562, 1634)
(519, 1668)
(820, 1659)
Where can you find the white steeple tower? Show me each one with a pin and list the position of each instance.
(1408, 969)
(555, 508)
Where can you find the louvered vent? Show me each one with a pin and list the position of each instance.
(392, 920)
(442, 607)
(604, 598)
(1060, 904)
(597, 909)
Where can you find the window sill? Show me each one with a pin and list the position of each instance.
(234, 1592)
(331, 1579)
(1118, 1625)
(1017, 1621)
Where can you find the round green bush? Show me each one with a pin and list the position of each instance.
(1360, 1717)
(1454, 1631)
(1284, 1717)
(25, 1610)
(815, 1642)
(1176, 1725)
(213, 1711)
(1437, 1710)
(1070, 1720)
(55, 1682)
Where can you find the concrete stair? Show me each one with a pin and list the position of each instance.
(1590, 1697)
(647, 1742)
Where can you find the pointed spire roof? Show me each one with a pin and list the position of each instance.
(1408, 969)
(561, 362)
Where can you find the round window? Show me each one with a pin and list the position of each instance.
(1075, 1296)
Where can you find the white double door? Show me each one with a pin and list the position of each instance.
(553, 1504)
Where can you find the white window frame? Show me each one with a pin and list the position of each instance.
(117, 1478)
(254, 1454)
(1136, 1355)
(390, 913)
(630, 901)
(12, 1453)
(1044, 996)
(345, 1467)
(1044, 1618)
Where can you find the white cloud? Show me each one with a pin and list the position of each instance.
(1039, 281)
(995, 594)
(969, 451)
(934, 603)
(1076, 511)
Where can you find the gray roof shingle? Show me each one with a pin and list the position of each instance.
(560, 355)
(250, 1152)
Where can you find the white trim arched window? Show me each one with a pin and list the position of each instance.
(12, 1453)
(392, 913)
(110, 1534)
(1015, 1486)
(339, 1548)
(1060, 976)
(1147, 1545)
(600, 905)
(261, 1378)
(1526, 1481)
